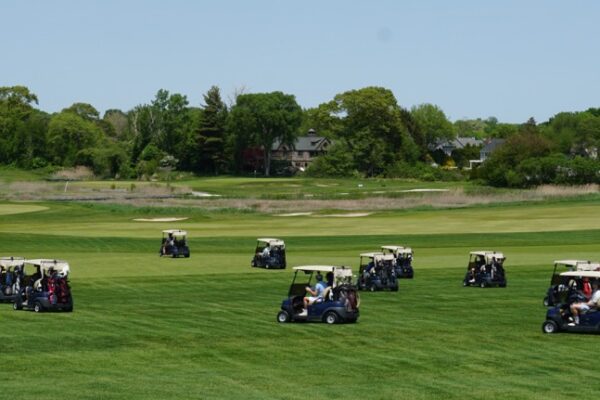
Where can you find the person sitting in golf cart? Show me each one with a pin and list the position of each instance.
(585, 306)
(316, 293)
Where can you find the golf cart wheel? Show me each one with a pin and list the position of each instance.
(482, 284)
(373, 288)
(331, 318)
(283, 317)
(465, 283)
(395, 288)
(17, 306)
(549, 326)
(37, 307)
(546, 302)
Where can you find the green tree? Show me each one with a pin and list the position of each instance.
(210, 138)
(262, 118)
(15, 138)
(432, 123)
(69, 133)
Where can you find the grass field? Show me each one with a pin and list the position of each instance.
(204, 327)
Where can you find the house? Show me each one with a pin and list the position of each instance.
(448, 146)
(490, 145)
(304, 150)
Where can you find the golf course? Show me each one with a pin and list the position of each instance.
(204, 327)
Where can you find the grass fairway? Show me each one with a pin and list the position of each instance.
(204, 327)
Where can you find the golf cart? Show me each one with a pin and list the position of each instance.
(174, 243)
(269, 253)
(485, 269)
(559, 284)
(339, 302)
(558, 317)
(11, 271)
(376, 272)
(404, 257)
(47, 289)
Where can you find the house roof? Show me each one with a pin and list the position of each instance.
(305, 143)
(458, 143)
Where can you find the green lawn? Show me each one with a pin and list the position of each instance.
(204, 327)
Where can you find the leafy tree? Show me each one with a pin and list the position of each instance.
(262, 118)
(69, 133)
(432, 123)
(210, 138)
(15, 110)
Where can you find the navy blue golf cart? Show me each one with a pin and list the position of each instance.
(559, 289)
(559, 318)
(376, 271)
(47, 289)
(404, 258)
(485, 269)
(339, 302)
(174, 243)
(269, 253)
(11, 274)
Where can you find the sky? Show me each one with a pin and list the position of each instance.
(472, 58)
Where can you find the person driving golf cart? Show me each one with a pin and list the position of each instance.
(573, 312)
(10, 277)
(559, 288)
(330, 304)
(269, 253)
(174, 243)
(485, 268)
(376, 272)
(404, 258)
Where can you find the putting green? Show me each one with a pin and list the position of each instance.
(8, 209)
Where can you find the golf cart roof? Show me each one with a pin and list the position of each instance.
(272, 241)
(46, 264)
(582, 274)
(580, 265)
(488, 254)
(378, 256)
(175, 232)
(392, 248)
(8, 262)
(397, 249)
(338, 271)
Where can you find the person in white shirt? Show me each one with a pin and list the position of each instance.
(578, 308)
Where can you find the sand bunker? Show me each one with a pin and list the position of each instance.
(172, 219)
(350, 215)
(297, 214)
(204, 194)
(423, 190)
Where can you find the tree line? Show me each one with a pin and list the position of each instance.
(371, 134)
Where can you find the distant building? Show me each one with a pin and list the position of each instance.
(304, 150)
(448, 146)
(490, 145)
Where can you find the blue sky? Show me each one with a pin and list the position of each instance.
(478, 58)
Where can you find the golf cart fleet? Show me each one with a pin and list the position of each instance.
(559, 289)
(339, 302)
(485, 269)
(559, 318)
(11, 269)
(269, 253)
(174, 243)
(404, 257)
(376, 271)
(47, 289)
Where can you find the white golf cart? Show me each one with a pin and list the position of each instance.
(559, 288)
(174, 243)
(376, 271)
(404, 257)
(338, 303)
(47, 289)
(269, 253)
(485, 269)
(11, 275)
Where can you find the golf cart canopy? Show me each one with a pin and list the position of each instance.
(175, 232)
(60, 266)
(378, 256)
(488, 255)
(578, 265)
(397, 250)
(582, 274)
(338, 271)
(272, 242)
(8, 262)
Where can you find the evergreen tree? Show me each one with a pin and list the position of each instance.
(210, 136)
